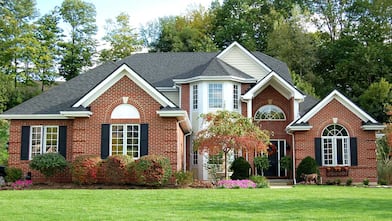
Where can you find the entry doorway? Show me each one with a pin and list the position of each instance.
(277, 151)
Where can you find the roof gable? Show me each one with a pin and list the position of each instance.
(114, 77)
(277, 82)
(240, 58)
(336, 95)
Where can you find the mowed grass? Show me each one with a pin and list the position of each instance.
(298, 203)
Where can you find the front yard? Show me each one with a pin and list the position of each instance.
(298, 203)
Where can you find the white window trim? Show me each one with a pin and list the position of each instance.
(43, 139)
(222, 98)
(335, 149)
(236, 97)
(270, 119)
(125, 139)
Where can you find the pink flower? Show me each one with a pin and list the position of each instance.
(231, 184)
(21, 184)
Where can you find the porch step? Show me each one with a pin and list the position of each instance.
(280, 182)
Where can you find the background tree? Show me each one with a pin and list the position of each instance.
(226, 131)
(121, 37)
(246, 21)
(377, 98)
(77, 53)
(46, 57)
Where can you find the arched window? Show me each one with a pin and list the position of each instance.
(270, 112)
(125, 111)
(335, 146)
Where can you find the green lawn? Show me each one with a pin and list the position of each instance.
(299, 203)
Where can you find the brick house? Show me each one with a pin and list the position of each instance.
(151, 103)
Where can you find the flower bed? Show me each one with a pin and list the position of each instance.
(236, 184)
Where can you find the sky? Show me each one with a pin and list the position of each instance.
(140, 11)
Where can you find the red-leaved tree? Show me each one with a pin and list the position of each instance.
(225, 131)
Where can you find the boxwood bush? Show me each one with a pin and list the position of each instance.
(307, 166)
(240, 168)
(48, 164)
(13, 174)
(84, 169)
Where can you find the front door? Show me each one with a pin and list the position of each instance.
(277, 151)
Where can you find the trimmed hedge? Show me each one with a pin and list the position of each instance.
(150, 170)
(48, 164)
(307, 166)
(115, 169)
(13, 174)
(240, 168)
(84, 169)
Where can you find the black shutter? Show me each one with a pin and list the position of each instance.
(105, 136)
(353, 151)
(63, 141)
(317, 150)
(143, 139)
(25, 143)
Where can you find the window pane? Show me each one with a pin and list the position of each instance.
(51, 139)
(36, 139)
(270, 112)
(235, 97)
(195, 97)
(215, 96)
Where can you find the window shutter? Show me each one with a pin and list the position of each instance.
(143, 139)
(25, 143)
(63, 141)
(353, 151)
(105, 136)
(317, 150)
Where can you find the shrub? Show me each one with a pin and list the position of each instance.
(286, 163)
(382, 182)
(349, 182)
(262, 163)
(48, 164)
(307, 166)
(13, 174)
(261, 181)
(151, 170)
(235, 184)
(240, 168)
(337, 181)
(365, 182)
(116, 169)
(84, 169)
(183, 178)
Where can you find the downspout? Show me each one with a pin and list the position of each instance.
(293, 161)
(185, 147)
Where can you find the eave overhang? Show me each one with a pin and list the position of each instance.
(180, 115)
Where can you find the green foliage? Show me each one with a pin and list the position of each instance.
(4, 133)
(286, 163)
(183, 178)
(116, 169)
(48, 164)
(376, 98)
(261, 181)
(240, 168)
(151, 170)
(365, 181)
(84, 169)
(384, 163)
(349, 181)
(121, 37)
(262, 163)
(13, 174)
(307, 166)
(77, 53)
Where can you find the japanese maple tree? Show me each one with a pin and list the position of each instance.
(225, 131)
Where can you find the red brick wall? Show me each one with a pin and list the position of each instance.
(277, 128)
(304, 141)
(84, 134)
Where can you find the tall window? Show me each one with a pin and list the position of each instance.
(195, 96)
(215, 98)
(235, 97)
(335, 146)
(125, 140)
(270, 112)
(44, 139)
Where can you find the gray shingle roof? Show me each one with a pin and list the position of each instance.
(159, 69)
